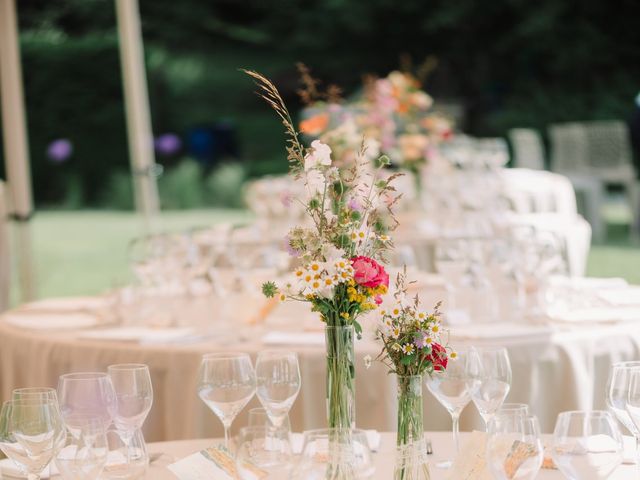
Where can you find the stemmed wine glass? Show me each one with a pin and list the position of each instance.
(134, 398)
(490, 372)
(227, 381)
(30, 430)
(82, 395)
(277, 383)
(514, 447)
(451, 388)
(633, 398)
(618, 395)
(586, 445)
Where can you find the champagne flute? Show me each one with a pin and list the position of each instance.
(451, 388)
(514, 447)
(490, 371)
(277, 383)
(87, 394)
(586, 445)
(35, 425)
(227, 382)
(618, 390)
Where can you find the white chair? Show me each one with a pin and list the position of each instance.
(527, 147)
(569, 157)
(610, 158)
(5, 259)
(546, 201)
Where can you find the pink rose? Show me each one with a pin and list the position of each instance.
(369, 273)
(378, 299)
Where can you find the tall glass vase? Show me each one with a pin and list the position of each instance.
(411, 454)
(341, 389)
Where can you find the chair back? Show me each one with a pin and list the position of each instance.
(609, 150)
(527, 147)
(569, 148)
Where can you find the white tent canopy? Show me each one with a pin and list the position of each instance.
(16, 147)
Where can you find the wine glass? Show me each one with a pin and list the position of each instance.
(133, 395)
(586, 445)
(514, 408)
(227, 382)
(277, 383)
(35, 425)
(514, 447)
(490, 371)
(451, 388)
(84, 454)
(8, 443)
(263, 449)
(87, 394)
(618, 391)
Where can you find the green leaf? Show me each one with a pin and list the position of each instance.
(358, 329)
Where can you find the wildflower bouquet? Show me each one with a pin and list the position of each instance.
(412, 347)
(340, 253)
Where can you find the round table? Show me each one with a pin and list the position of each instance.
(555, 368)
(384, 458)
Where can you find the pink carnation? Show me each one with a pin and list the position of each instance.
(369, 273)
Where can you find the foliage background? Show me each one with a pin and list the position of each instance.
(507, 62)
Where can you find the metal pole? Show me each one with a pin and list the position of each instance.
(137, 108)
(16, 147)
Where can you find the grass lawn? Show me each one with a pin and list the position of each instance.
(85, 252)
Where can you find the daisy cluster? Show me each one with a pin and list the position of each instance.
(413, 339)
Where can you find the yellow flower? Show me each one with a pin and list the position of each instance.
(421, 316)
(345, 315)
(282, 297)
(315, 267)
(315, 285)
(453, 355)
(407, 348)
(307, 278)
(435, 328)
(299, 273)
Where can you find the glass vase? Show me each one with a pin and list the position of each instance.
(341, 373)
(411, 454)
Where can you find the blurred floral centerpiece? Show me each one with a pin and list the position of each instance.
(340, 252)
(412, 347)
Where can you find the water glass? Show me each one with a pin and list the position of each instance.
(263, 452)
(84, 454)
(490, 372)
(514, 448)
(32, 436)
(514, 408)
(258, 417)
(334, 454)
(227, 381)
(127, 458)
(277, 383)
(586, 445)
(87, 394)
(27, 393)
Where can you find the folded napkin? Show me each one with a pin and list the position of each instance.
(143, 335)
(51, 321)
(623, 297)
(9, 471)
(294, 338)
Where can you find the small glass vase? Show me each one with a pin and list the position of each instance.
(341, 390)
(411, 455)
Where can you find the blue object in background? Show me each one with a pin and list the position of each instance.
(210, 145)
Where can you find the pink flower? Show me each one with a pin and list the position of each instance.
(378, 299)
(369, 273)
(438, 357)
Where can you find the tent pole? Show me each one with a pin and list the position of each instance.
(16, 147)
(136, 97)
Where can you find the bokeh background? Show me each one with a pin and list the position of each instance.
(496, 65)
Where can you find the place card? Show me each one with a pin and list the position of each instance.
(210, 464)
(470, 464)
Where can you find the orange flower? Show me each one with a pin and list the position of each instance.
(315, 125)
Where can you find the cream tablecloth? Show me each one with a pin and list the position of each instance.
(384, 459)
(555, 368)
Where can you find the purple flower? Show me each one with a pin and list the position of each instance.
(353, 204)
(168, 144)
(421, 340)
(59, 150)
(286, 198)
(287, 245)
